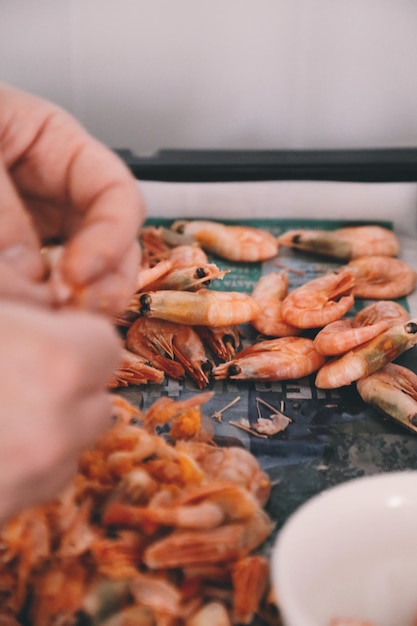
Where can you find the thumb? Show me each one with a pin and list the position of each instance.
(19, 242)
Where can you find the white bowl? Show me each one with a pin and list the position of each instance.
(351, 551)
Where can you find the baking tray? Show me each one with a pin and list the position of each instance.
(333, 436)
(373, 165)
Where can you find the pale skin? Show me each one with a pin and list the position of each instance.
(57, 182)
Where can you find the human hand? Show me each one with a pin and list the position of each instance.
(53, 371)
(58, 183)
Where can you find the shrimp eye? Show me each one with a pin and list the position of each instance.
(200, 272)
(145, 303)
(411, 327)
(413, 420)
(234, 370)
(207, 367)
(296, 239)
(83, 619)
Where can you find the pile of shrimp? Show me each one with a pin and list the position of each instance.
(178, 326)
(152, 531)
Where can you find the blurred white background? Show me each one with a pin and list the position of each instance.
(150, 74)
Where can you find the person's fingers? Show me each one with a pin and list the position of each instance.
(112, 212)
(110, 294)
(14, 285)
(19, 243)
(78, 191)
(93, 350)
(81, 190)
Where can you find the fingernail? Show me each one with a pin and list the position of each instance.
(24, 260)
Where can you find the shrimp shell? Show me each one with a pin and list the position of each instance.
(178, 341)
(392, 390)
(187, 278)
(270, 291)
(382, 277)
(369, 357)
(320, 301)
(202, 308)
(290, 358)
(344, 243)
(340, 336)
(383, 310)
(236, 243)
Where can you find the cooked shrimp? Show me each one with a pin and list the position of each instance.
(152, 342)
(384, 310)
(340, 336)
(270, 291)
(223, 341)
(369, 357)
(202, 308)
(291, 358)
(154, 248)
(319, 301)
(205, 506)
(218, 545)
(392, 390)
(134, 370)
(177, 341)
(186, 278)
(344, 243)
(382, 277)
(236, 243)
(235, 465)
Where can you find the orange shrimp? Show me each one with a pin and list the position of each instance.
(202, 308)
(393, 390)
(369, 357)
(319, 301)
(270, 291)
(344, 243)
(383, 310)
(289, 358)
(236, 243)
(234, 464)
(203, 507)
(382, 277)
(340, 336)
(177, 341)
(186, 278)
(134, 370)
(217, 545)
(143, 339)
